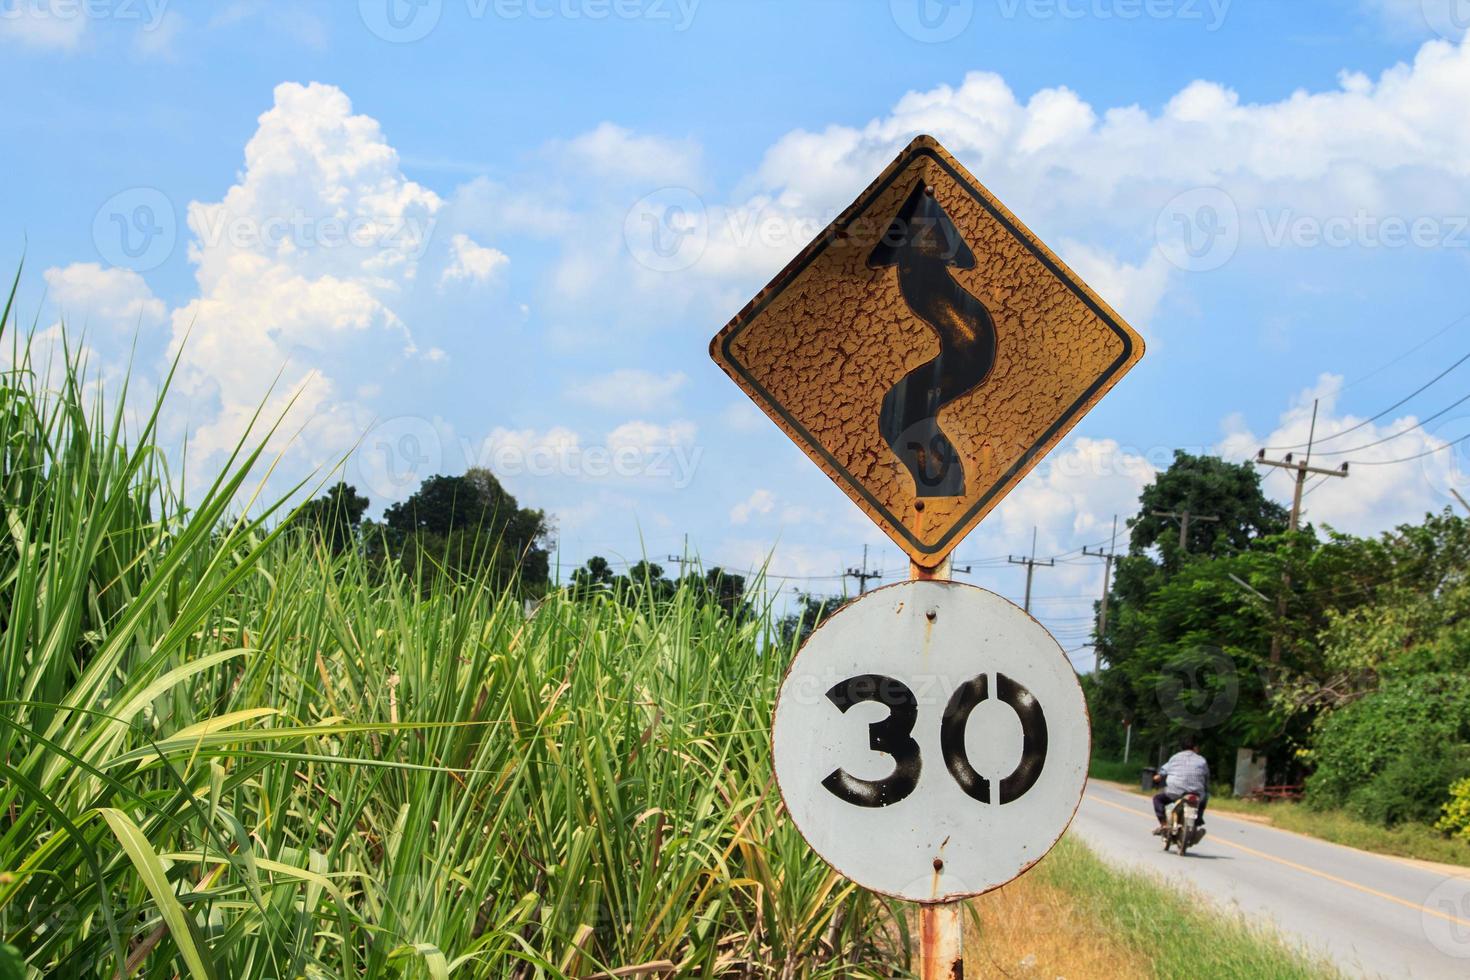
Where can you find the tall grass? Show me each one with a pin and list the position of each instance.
(226, 753)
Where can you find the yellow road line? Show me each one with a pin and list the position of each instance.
(1311, 871)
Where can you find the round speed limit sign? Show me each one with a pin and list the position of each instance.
(931, 741)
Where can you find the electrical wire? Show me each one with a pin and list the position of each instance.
(1409, 397)
(1412, 428)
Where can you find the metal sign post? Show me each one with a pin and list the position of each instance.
(941, 927)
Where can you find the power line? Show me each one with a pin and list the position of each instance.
(1412, 428)
(1410, 459)
(1407, 398)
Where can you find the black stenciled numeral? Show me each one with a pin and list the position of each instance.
(1033, 738)
(892, 736)
(952, 738)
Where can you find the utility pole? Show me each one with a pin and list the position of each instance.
(1031, 565)
(1303, 469)
(1108, 557)
(684, 559)
(1185, 518)
(862, 574)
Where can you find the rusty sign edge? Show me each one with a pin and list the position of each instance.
(929, 556)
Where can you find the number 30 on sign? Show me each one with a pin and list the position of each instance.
(931, 741)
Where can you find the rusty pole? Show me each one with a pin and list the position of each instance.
(941, 927)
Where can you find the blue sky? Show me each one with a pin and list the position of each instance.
(437, 222)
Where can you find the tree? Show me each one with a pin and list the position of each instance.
(468, 527)
(811, 612)
(336, 516)
(1204, 486)
(646, 582)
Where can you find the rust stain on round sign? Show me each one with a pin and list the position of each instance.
(926, 351)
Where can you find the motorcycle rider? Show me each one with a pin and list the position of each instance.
(1185, 772)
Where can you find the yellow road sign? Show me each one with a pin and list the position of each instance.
(926, 351)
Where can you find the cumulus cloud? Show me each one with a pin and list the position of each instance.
(759, 502)
(471, 261)
(40, 26)
(1380, 492)
(630, 389)
(299, 265)
(92, 296)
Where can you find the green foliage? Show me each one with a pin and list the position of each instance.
(1391, 756)
(812, 611)
(1206, 487)
(646, 583)
(1178, 933)
(225, 753)
(460, 528)
(1455, 818)
(335, 517)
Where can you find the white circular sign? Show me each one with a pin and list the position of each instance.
(931, 741)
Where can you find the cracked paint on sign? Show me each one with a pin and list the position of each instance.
(821, 347)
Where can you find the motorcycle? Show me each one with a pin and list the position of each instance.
(1182, 830)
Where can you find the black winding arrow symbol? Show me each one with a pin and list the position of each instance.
(924, 244)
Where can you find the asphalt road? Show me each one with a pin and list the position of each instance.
(1373, 916)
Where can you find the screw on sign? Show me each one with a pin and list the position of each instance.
(926, 351)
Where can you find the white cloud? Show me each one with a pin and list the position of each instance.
(1135, 291)
(1378, 493)
(1397, 146)
(612, 152)
(39, 26)
(299, 267)
(88, 295)
(650, 437)
(157, 40)
(472, 261)
(630, 389)
(1075, 494)
(760, 502)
